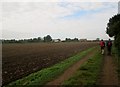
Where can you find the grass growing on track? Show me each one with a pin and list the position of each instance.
(88, 73)
(48, 74)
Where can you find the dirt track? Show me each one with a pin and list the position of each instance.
(108, 74)
(70, 71)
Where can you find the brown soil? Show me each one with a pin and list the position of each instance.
(109, 73)
(20, 60)
(70, 71)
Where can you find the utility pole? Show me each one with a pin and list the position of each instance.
(119, 7)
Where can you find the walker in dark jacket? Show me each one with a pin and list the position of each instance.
(109, 46)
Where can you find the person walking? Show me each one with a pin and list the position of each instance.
(109, 46)
(102, 45)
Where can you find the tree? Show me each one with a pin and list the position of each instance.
(75, 39)
(39, 39)
(47, 38)
(67, 39)
(97, 39)
(113, 29)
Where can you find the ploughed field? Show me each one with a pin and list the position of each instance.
(19, 60)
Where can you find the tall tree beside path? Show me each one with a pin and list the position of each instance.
(113, 30)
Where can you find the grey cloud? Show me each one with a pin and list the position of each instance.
(42, 18)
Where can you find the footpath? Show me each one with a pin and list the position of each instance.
(109, 74)
(70, 71)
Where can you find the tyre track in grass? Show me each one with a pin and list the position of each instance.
(70, 71)
(108, 75)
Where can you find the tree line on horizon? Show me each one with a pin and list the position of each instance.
(47, 38)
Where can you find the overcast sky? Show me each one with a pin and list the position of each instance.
(58, 19)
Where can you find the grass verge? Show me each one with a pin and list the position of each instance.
(88, 73)
(116, 59)
(48, 74)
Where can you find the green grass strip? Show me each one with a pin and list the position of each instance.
(48, 74)
(88, 73)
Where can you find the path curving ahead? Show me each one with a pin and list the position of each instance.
(70, 71)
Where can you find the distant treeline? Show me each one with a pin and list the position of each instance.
(47, 38)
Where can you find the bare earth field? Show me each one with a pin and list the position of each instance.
(19, 60)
